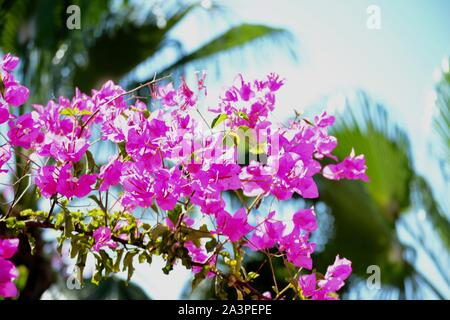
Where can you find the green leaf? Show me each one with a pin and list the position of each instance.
(219, 119)
(81, 263)
(158, 231)
(174, 215)
(243, 115)
(237, 37)
(128, 263)
(32, 243)
(2, 86)
(26, 213)
(168, 267)
(59, 219)
(231, 139)
(11, 222)
(116, 266)
(21, 280)
(199, 277)
(252, 275)
(90, 162)
(211, 245)
(69, 226)
(73, 112)
(122, 149)
(145, 257)
(193, 234)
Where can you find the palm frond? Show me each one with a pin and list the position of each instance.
(365, 214)
(236, 38)
(113, 54)
(441, 121)
(365, 125)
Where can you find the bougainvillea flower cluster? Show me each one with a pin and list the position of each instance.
(8, 272)
(169, 160)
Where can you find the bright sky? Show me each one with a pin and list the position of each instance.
(337, 53)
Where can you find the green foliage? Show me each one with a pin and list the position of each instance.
(441, 120)
(217, 120)
(235, 38)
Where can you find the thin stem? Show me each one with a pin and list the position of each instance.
(283, 291)
(273, 273)
(241, 199)
(55, 200)
(92, 116)
(253, 204)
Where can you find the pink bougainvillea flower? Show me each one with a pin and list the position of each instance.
(4, 112)
(9, 62)
(109, 96)
(70, 186)
(49, 117)
(267, 295)
(137, 182)
(267, 234)
(235, 227)
(298, 249)
(46, 181)
(102, 237)
(274, 82)
(245, 90)
(166, 187)
(67, 149)
(198, 255)
(144, 139)
(186, 96)
(324, 120)
(110, 174)
(341, 269)
(326, 288)
(8, 247)
(305, 219)
(8, 272)
(5, 155)
(25, 131)
(352, 168)
(167, 94)
(201, 76)
(16, 94)
(308, 284)
(256, 179)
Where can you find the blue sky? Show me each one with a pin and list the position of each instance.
(337, 53)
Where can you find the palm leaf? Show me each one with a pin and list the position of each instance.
(365, 214)
(441, 121)
(113, 54)
(236, 38)
(366, 225)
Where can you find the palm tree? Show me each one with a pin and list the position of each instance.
(111, 44)
(396, 201)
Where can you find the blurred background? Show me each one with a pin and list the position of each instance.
(389, 88)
